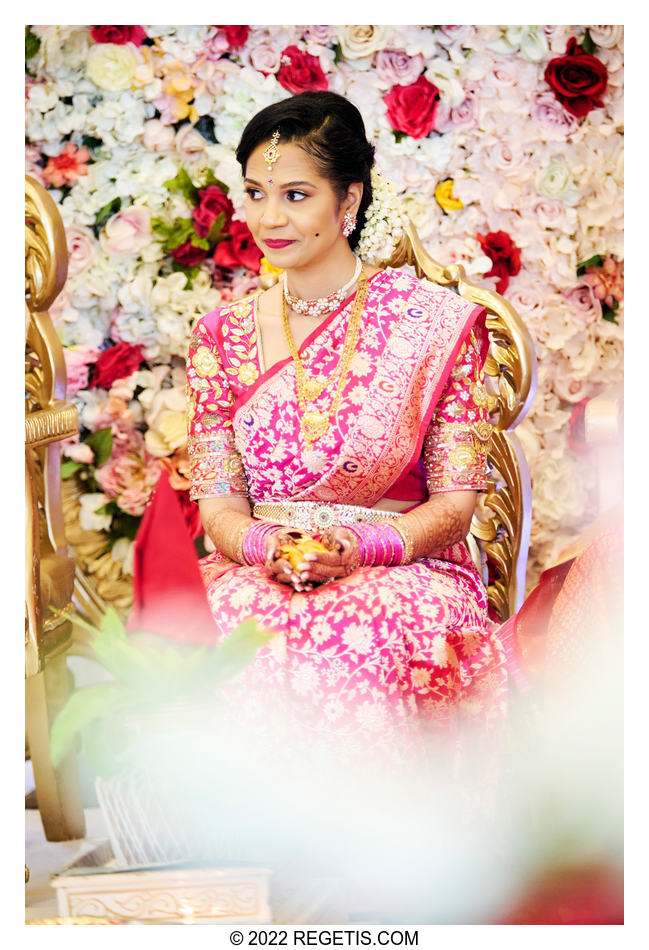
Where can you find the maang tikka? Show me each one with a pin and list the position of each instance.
(271, 154)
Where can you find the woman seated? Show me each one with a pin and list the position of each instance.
(346, 402)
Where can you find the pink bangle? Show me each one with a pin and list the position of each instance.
(396, 540)
(254, 542)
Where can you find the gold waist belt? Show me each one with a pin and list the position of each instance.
(318, 515)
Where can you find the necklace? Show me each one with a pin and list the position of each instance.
(314, 423)
(320, 306)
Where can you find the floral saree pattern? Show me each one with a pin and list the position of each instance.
(388, 651)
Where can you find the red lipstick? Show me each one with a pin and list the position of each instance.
(276, 244)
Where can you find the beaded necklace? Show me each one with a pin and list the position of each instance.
(320, 306)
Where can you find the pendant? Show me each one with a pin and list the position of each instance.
(313, 388)
(314, 425)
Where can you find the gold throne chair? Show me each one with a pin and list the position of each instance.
(49, 570)
(500, 531)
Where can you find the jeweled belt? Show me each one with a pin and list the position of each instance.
(318, 515)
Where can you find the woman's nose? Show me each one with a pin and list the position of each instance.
(272, 214)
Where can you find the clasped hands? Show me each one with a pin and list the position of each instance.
(315, 567)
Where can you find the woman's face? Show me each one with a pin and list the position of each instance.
(298, 218)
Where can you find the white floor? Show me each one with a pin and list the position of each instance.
(44, 858)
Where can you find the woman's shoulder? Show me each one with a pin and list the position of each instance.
(212, 323)
(424, 292)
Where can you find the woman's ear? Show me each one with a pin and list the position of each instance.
(353, 198)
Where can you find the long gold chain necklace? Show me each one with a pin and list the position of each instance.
(314, 423)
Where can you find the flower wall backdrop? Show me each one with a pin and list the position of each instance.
(505, 144)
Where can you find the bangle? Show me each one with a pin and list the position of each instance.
(408, 543)
(397, 543)
(254, 541)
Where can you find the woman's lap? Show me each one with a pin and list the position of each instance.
(384, 646)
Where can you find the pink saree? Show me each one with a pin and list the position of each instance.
(389, 652)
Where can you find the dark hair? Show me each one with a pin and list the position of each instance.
(330, 129)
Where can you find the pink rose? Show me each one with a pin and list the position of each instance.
(317, 34)
(32, 156)
(584, 302)
(464, 116)
(548, 112)
(572, 390)
(81, 248)
(216, 45)
(77, 364)
(394, 66)
(190, 144)
(127, 231)
(73, 448)
(265, 56)
(158, 137)
(552, 213)
(527, 301)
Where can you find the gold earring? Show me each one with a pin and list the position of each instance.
(271, 154)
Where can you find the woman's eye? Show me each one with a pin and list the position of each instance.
(295, 195)
(253, 193)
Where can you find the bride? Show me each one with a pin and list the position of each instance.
(338, 433)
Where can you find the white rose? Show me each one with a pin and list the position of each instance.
(122, 552)
(90, 520)
(560, 492)
(444, 75)
(358, 42)
(557, 181)
(606, 36)
(112, 67)
(167, 422)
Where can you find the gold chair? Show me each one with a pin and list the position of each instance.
(500, 530)
(49, 570)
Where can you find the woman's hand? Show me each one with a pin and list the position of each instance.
(320, 567)
(279, 568)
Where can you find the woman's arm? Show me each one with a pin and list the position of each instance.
(226, 521)
(438, 523)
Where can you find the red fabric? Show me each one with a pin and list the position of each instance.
(169, 595)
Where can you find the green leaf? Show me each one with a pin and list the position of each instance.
(587, 44)
(69, 467)
(337, 53)
(105, 213)
(595, 261)
(216, 227)
(32, 44)
(211, 179)
(183, 183)
(82, 707)
(237, 651)
(91, 142)
(181, 231)
(161, 227)
(101, 443)
(197, 241)
(108, 509)
(610, 313)
(398, 135)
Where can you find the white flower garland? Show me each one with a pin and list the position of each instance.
(385, 222)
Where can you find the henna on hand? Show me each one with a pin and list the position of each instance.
(439, 522)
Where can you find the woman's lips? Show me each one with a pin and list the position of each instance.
(277, 243)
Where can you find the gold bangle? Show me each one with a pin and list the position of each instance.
(408, 543)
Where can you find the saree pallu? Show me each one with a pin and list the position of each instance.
(389, 653)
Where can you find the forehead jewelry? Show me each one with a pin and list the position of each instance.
(271, 154)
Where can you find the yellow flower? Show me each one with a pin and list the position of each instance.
(445, 198)
(167, 434)
(267, 267)
(204, 362)
(111, 66)
(247, 374)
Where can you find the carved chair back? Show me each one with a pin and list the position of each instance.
(500, 530)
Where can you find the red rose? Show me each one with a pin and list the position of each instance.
(577, 79)
(119, 361)
(504, 254)
(240, 250)
(212, 201)
(188, 254)
(118, 34)
(413, 109)
(235, 35)
(301, 71)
